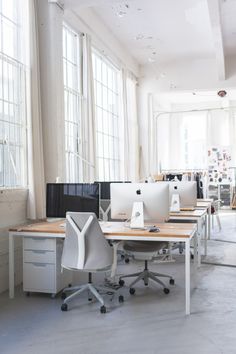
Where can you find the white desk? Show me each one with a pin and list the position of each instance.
(112, 231)
(202, 204)
(197, 215)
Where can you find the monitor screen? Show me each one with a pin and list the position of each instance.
(63, 197)
(155, 198)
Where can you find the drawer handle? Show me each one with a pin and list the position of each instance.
(39, 264)
(39, 251)
(39, 239)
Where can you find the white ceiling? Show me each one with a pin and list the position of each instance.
(164, 31)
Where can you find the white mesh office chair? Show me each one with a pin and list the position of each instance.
(86, 249)
(145, 251)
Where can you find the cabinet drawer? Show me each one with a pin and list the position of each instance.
(39, 243)
(39, 256)
(39, 277)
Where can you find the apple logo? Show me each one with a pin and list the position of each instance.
(138, 191)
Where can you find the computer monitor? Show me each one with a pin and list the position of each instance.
(105, 193)
(63, 197)
(153, 196)
(187, 192)
(105, 196)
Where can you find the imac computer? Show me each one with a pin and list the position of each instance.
(183, 195)
(105, 198)
(63, 197)
(139, 202)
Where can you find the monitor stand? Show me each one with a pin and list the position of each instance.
(175, 204)
(137, 219)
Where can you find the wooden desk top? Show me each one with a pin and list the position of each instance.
(44, 227)
(113, 228)
(197, 213)
(166, 230)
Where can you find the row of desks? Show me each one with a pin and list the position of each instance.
(169, 232)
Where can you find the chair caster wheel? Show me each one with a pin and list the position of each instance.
(63, 296)
(103, 309)
(132, 291)
(121, 298)
(192, 256)
(64, 307)
(172, 281)
(166, 290)
(121, 282)
(122, 256)
(127, 260)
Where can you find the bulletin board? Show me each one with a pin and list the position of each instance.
(219, 160)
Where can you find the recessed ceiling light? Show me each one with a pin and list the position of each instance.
(151, 60)
(139, 37)
(121, 13)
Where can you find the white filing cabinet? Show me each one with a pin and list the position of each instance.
(42, 265)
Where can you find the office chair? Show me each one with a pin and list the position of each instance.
(86, 249)
(145, 251)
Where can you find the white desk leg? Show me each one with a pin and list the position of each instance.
(195, 240)
(209, 222)
(199, 235)
(11, 266)
(187, 277)
(205, 236)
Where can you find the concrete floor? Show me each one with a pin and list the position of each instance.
(148, 322)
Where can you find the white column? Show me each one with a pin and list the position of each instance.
(50, 20)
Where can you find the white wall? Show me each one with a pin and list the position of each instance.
(181, 76)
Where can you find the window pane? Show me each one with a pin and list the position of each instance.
(72, 103)
(106, 113)
(13, 71)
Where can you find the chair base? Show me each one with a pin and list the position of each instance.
(145, 275)
(92, 290)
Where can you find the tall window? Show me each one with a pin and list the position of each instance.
(108, 122)
(13, 93)
(72, 67)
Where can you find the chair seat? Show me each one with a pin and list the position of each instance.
(144, 247)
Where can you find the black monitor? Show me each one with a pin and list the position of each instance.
(63, 197)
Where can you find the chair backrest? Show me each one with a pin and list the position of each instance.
(85, 247)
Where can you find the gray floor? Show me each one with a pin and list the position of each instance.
(148, 322)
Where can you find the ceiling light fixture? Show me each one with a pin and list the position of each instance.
(139, 37)
(222, 93)
(151, 60)
(121, 13)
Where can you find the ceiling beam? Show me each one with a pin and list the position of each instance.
(215, 21)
